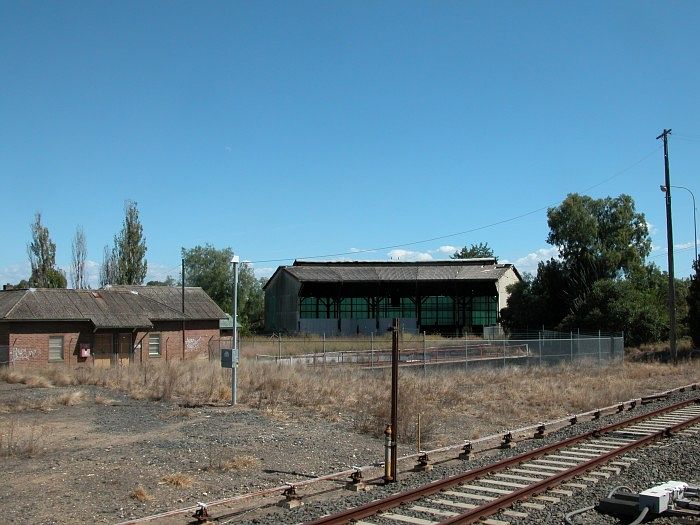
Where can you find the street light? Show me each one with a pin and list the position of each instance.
(234, 343)
(695, 223)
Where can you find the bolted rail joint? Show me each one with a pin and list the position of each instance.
(291, 499)
(357, 482)
(423, 464)
(573, 420)
(507, 440)
(201, 514)
(467, 451)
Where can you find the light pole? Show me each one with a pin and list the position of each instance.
(695, 222)
(234, 342)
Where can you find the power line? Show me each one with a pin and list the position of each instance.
(472, 230)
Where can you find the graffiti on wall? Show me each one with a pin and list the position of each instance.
(24, 354)
(192, 344)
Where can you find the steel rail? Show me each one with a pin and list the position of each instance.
(494, 506)
(393, 501)
(346, 473)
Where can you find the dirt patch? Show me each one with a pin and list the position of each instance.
(98, 455)
(97, 463)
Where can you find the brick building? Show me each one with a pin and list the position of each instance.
(116, 325)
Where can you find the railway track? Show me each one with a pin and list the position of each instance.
(444, 507)
(533, 479)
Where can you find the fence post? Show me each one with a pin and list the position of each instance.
(371, 349)
(279, 350)
(324, 350)
(424, 350)
(504, 352)
(466, 351)
(599, 349)
(571, 345)
(539, 343)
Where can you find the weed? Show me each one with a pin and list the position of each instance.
(140, 494)
(18, 442)
(178, 480)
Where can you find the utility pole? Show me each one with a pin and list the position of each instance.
(669, 237)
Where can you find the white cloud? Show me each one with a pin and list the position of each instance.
(263, 272)
(655, 248)
(530, 261)
(160, 272)
(653, 230)
(447, 249)
(14, 273)
(407, 255)
(683, 246)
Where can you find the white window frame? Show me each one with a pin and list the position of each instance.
(151, 353)
(52, 357)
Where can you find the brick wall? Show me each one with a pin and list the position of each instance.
(198, 334)
(29, 342)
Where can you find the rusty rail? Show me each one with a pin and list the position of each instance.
(375, 507)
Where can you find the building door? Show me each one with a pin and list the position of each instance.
(124, 347)
(102, 351)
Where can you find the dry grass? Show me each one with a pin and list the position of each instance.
(480, 401)
(140, 494)
(220, 461)
(177, 480)
(107, 401)
(19, 442)
(71, 398)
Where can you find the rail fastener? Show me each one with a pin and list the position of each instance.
(291, 500)
(507, 440)
(539, 434)
(357, 482)
(423, 464)
(467, 451)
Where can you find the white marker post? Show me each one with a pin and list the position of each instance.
(234, 343)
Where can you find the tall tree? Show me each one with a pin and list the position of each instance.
(77, 269)
(130, 248)
(694, 305)
(211, 269)
(599, 238)
(600, 276)
(108, 268)
(42, 258)
(475, 251)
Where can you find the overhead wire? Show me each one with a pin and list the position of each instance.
(464, 232)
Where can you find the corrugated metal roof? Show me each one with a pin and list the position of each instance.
(116, 307)
(470, 270)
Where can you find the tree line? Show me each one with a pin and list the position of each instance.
(600, 281)
(124, 263)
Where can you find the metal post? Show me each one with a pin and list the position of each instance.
(571, 347)
(324, 350)
(234, 338)
(539, 343)
(599, 349)
(424, 351)
(279, 349)
(371, 349)
(466, 351)
(504, 352)
(394, 397)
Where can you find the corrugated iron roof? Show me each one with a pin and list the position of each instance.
(368, 271)
(116, 307)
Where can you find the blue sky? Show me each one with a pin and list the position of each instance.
(295, 129)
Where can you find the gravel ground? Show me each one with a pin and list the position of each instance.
(90, 457)
(676, 459)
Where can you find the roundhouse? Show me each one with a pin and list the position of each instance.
(361, 297)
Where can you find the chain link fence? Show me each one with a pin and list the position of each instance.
(539, 348)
